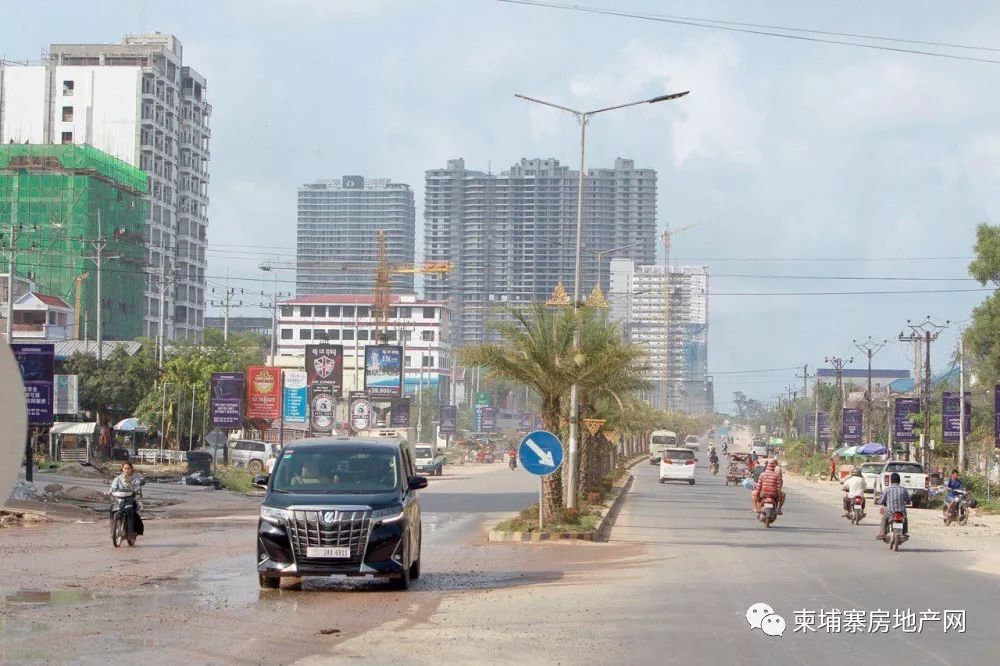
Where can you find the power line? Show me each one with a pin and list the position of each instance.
(734, 27)
(842, 277)
(845, 259)
(847, 293)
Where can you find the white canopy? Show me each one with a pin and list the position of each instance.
(67, 428)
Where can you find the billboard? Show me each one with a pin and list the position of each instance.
(66, 394)
(36, 362)
(824, 428)
(903, 428)
(360, 412)
(383, 371)
(951, 416)
(321, 408)
(996, 416)
(325, 363)
(487, 419)
(449, 419)
(227, 399)
(400, 413)
(851, 426)
(263, 392)
(294, 397)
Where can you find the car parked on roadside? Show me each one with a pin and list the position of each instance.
(340, 506)
(870, 472)
(911, 477)
(249, 453)
(677, 465)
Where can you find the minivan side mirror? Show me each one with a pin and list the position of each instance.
(417, 482)
(260, 481)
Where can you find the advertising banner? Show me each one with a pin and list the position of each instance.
(263, 392)
(449, 419)
(400, 413)
(824, 428)
(66, 394)
(227, 400)
(359, 412)
(383, 371)
(903, 428)
(322, 406)
(951, 415)
(851, 426)
(526, 421)
(487, 419)
(36, 362)
(325, 363)
(295, 397)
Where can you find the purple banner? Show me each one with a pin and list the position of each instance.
(824, 428)
(36, 362)
(851, 426)
(400, 413)
(227, 399)
(487, 419)
(903, 428)
(449, 419)
(951, 416)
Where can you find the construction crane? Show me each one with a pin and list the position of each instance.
(668, 371)
(383, 272)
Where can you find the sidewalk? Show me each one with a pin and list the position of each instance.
(980, 538)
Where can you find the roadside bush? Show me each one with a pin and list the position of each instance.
(798, 456)
(976, 485)
(235, 479)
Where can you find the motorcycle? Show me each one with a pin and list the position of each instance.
(125, 521)
(959, 509)
(768, 511)
(858, 511)
(895, 536)
(512, 461)
(713, 467)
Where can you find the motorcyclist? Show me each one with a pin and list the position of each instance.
(713, 457)
(512, 456)
(129, 482)
(894, 499)
(954, 483)
(854, 486)
(768, 485)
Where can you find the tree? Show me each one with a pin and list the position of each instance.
(114, 388)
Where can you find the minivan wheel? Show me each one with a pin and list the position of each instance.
(255, 467)
(402, 581)
(268, 582)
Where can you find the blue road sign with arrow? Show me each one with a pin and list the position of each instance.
(540, 453)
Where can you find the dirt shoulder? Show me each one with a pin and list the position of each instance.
(980, 538)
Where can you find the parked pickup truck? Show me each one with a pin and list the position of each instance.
(427, 461)
(911, 477)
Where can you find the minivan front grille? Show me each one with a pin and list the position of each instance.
(330, 528)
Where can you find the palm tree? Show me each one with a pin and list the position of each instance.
(535, 348)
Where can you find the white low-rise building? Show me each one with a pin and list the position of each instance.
(422, 327)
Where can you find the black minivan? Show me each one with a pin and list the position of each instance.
(340, 507)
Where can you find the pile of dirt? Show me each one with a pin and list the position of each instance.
(24, 490)
(86, 470)
(10, 517)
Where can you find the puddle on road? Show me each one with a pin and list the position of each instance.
(71, 597)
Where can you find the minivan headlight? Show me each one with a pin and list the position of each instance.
(387, 515)
(274, 516)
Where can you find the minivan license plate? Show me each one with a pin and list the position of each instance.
(314, 551)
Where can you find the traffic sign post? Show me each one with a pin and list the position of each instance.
(541, 454)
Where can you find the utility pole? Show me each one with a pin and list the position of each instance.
(163, 309)
(11, 261)
(961, 397)
(838, 365)
(805, 380)
(100, 244)
(869, 348)
(927, 331)
(226, 303)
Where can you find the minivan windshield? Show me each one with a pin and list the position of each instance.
(664, 439)
(336, 469)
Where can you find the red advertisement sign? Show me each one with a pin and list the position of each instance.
(263, 392)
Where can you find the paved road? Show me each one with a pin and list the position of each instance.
(678, 575)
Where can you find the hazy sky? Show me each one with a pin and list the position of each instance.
(785, 152)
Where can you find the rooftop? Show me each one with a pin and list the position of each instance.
(357, 299)
(73, 159)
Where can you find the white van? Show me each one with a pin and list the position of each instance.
(661, 439)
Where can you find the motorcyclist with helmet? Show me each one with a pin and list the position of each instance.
(854, 486)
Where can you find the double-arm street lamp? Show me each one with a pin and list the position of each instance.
(583, 118)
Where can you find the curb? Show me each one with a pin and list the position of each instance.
(600, 533)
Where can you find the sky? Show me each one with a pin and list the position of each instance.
(791, 158)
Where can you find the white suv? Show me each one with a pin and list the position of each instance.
(677, 465)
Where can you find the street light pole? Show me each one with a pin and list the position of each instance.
(583, 118)
(869, 348)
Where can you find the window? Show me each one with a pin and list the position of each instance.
(333, 311)
(429, 313)
(305, 310)
(427, 336)
(390, 336)
(68, 88)
(67, 114)
(364, 312)
(305, 334)
(286, 334)
(348, 334)
(363, 334)
(319, 334)
(67, 137)
(319, 311)
(348, 311)
(405, 313)
(333, 334)
(286, 310)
